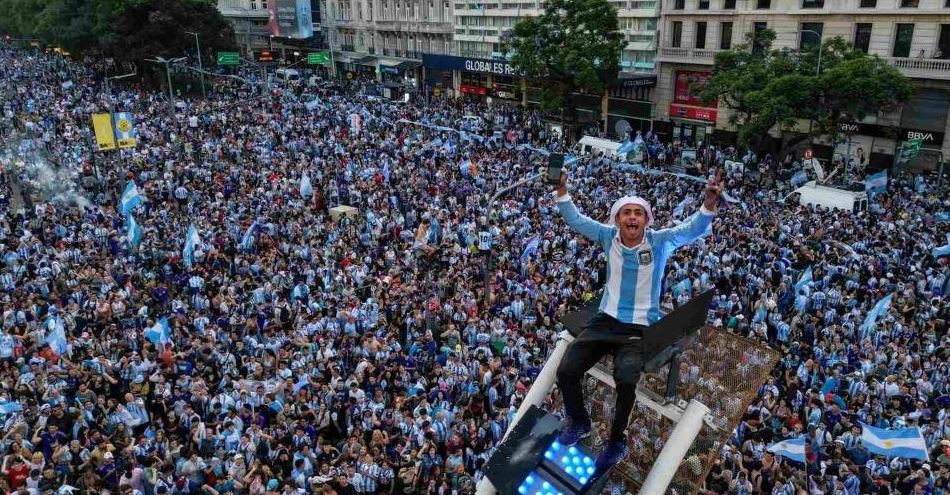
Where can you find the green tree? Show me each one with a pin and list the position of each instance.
(575, 45)
(775, 89)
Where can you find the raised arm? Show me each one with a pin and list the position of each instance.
(587, 227)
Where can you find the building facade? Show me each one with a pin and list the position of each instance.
(250, 21)
(911, 35)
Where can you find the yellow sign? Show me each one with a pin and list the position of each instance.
(34, 44)
(349, 75)
(105, 136)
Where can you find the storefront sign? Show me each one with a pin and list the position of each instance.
(898, 133)
(473, 90)
(694, 113)
(687, 86)
(467, 64)
(638, 82)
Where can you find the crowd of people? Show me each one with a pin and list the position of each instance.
(295, 350)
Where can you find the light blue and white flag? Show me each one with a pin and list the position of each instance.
(678, 211)
(134, 231)
(531, 248)
(130, 198)
(792, 449)
(247, 241)
(876, 312)
(803, 280)
(191, 243)
(876, 183)
(685, 285)
(10, 407)
(160, 332)
(942, 250)
(799, 178)
(306, 188)
(57, 335)
(903, 442)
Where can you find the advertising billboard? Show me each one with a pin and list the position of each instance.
(290, 18)
(687, 87)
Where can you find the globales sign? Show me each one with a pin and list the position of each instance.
(481, 65)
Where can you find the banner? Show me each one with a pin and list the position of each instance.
(687, 86)
(290, 18)
(124, 126)
(102, 125)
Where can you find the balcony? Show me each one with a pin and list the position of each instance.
(687, 55)
(921, 68)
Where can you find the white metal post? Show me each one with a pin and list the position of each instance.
(682, 437)
(535, 397)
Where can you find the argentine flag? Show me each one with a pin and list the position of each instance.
(804, 280)
(876, 183)
(130, 198)
(876, 312)
(942, 250)
(306, 189)
(247, 242)
(191, 243)
(903, 442)
(134, 232)
(792, 449)
(531, 248)
(159, 333)
(57, 336)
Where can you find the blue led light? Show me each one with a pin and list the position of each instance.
(548, 455)
(590, 470)
(565, 460)
(529, 479)
(569, 470)
(572, 450)
(576, 460)
(588, 461)
(545, 485)
(522, 489)
(583, 479)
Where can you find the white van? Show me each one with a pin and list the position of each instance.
(288, 75)
(829, 197)
(589, 145)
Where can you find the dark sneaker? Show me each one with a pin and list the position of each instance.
(572, 434)
(613, 453)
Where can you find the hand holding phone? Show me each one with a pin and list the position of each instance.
(555, 169)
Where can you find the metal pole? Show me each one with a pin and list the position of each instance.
(535, 397)
(171, 94)
(204, 93)
(681, 439)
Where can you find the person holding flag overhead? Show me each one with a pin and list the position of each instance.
(636, 262)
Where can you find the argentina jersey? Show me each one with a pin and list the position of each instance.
(635, 276)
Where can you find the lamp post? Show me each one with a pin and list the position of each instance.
(168, 73)
(820, 41)
(112, 107)
(204, 93)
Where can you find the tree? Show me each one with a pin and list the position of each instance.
(575, 45)
(775, 89)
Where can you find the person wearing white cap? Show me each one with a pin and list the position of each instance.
(636, 259)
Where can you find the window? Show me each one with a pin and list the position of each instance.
(910, 4)
(677, 34)
(764, 4)
(943, 43)
(757, 28)
(813, 4)
(862, 37)
(679, 5)
(725, 35)
(703, 5)
(868, 4)
(905, 34)
(810, 36)
(700, 35)
(729, 4)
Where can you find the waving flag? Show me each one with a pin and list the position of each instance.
(191, 243)
(804, 280)
(10, 407)
(57, 335)
(792, 449)
(876, 183)
(678, 211)
(130, 198)
(686, 285)
(903, 442)
(386, 172)
(876, 312)
(531, 248)
(247, 241)
(306, 189)
(942, 250)
(160, 332)
(134, 231)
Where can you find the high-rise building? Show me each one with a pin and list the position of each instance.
(911, 35)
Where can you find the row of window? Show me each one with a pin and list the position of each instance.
(806, 4)
(811, 33)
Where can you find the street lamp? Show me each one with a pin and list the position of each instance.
(820, 41)
(204, 93)
(168, 73)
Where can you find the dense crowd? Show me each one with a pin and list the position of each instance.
(295, 351)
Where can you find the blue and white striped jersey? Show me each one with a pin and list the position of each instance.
(635, 276)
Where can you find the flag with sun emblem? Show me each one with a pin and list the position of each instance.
(902, 442)
(124, 125)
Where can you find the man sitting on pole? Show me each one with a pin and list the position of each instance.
(636, 258)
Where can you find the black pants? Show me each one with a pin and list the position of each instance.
(604, 335)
